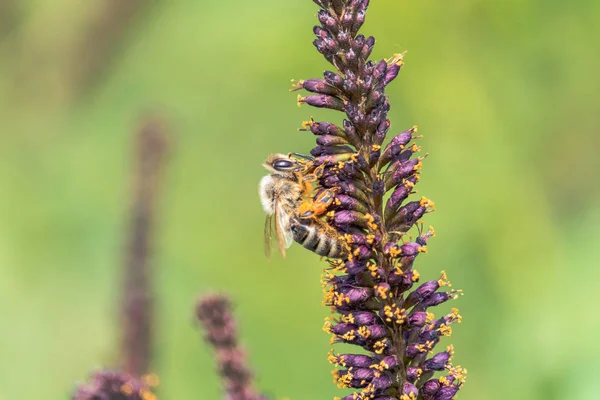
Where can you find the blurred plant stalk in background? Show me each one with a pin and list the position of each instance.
(151, 147)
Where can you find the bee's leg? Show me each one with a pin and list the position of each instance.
(315, 175)
(309, 178)
(322, 201)
(319, 171)
(305, 209)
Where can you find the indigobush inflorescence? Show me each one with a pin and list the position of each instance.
(372, 289)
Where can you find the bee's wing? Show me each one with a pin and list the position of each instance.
(268, 235)
(285, 237)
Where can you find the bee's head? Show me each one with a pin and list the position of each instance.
(282, 163)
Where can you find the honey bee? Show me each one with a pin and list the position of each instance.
(286, 196)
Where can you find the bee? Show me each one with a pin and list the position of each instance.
(286, 197)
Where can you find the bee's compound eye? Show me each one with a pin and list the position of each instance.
(283, 165)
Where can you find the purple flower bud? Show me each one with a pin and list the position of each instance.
(408, 389)
(421, 293)
(380, 69)
(343, 328)
(383, 382)
(436, 299)
(375, 98)
(381, 131)
(403, 171)
(350, 203)
(430, 333)
(363, 252)
(350, 86)
(376, 332)
(319, 86)
(356, 294)
(344, 219)
(430, 388)
(390, 362)
(437, 362)
(350, 132)
(346, 20)
(330, 150)
(320, 32)
(367, 82)
(403, 138)
(352, 190)
(412, 374)
(356, 360)
(324, 128)
(355, 267)
(355, 115)
(391, 73)
(327, 21)
(411, 249)
(343, 38)
(416, 319)
(415, 349)
(405, 219)
(446, 393)
(365, 318)
(333, 79)
(330, 140)
(323, 101)
(396, 145)
(359, 20)
(398, 196)
(382, 290)
(368, 48)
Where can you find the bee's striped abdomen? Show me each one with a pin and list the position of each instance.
(308, 235)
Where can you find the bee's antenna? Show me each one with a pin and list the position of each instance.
(303, 156)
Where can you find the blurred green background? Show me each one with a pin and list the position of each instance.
(504, 92)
